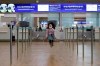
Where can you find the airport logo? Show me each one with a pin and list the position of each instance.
(4, 8)
(11, 8)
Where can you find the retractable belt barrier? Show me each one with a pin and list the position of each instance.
(69, 37)
(25, 38)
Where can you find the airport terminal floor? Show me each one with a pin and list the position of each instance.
(41, 54)
(25, 30)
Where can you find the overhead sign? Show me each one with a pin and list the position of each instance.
(43, 7)
(55, 7)
(98, 7)
(91, 7)
(25, 7)
(5, 8)
(73, 8)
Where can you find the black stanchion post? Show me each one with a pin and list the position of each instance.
(93, 36)
(25, 38)
(10, 44)
(17, 40)
(70, 37)
(77, 39)
(83, 40)
(91, 44)
(22, 39)
(99, 34)
(65, 35)
(73, 38)
(29, 36)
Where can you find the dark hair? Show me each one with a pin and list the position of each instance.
(53, 25)
(10, 26)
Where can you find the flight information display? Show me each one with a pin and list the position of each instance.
(66, 7)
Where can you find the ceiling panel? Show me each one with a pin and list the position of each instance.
(50, 1)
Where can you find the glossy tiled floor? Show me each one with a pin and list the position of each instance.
(40, 54)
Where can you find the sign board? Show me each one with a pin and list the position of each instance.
(66, 7)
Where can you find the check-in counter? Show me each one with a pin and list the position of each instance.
(5, 34)
(63, 34)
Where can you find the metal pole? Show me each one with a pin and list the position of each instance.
(10, 44)
(77, 39)
(22, 39)
(25, 38)
(70, 37)
(83, 40)
(67, 36)
(17, 40)
(99, 34)
(73, 38)
(93, 35)
(29, 36)
(91, 44)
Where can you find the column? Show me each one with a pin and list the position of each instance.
(67, 19)
(91, 18)
(54, 16)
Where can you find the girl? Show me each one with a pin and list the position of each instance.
(50, 34)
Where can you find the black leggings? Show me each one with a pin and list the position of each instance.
(51, 42)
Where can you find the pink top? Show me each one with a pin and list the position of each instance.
(49, 31)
